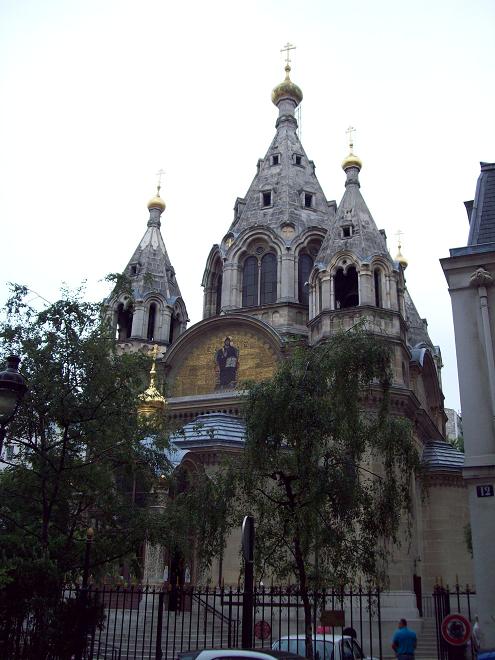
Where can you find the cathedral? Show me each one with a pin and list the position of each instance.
(293, 264)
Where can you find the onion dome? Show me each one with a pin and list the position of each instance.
(351, 161)
(401, 258)
(287, 89)
(157, 202)
(151, 400)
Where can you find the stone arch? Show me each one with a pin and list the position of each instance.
(422, 355)
(191, 365)
(306, 250)
(122, 317)
(152, 320)
(178, 320)
(258, 259)
(380, 282)
(212, 283)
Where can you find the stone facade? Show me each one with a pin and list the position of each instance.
(295, 265)
(470, 273)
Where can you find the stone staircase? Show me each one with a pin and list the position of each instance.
(427, 641)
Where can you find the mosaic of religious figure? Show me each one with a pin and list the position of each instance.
(226, 364)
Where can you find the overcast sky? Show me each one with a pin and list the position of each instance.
(97, 95)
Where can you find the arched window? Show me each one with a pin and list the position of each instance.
(268, 289)
(346, 288)
(378, 287)
(150, 334)
(218, 295)
(305, 266)
(250, 282)
(174, 328)
(124, 322)
(320, 296)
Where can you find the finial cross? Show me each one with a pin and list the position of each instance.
(159, 175)
(350, 131)
(399, 235)
(286, 49)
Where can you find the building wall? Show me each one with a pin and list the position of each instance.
(445, 513)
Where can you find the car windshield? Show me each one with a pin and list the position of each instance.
(321, 650)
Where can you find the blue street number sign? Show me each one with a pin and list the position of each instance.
(484, 491)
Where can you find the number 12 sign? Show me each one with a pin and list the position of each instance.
(484, 491)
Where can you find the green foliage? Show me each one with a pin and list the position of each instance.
(327, 469)
(84, 451)
(458, 443)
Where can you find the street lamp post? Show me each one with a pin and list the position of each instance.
(12, 389)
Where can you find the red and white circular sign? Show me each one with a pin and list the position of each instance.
(262, 630)
(456, 629)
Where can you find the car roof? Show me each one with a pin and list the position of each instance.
(256, 654)
(319, 637)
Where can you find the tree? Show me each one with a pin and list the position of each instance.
(327, 469)
(85, 457)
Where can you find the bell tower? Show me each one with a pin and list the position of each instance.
(147, 308)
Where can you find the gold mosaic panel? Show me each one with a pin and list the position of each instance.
(198, 372)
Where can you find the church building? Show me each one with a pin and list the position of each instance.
(294, 264)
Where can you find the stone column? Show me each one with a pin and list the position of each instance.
(163, 328)
(137, 331)
(365, 288)
(325, 293)
(287, 278)
(229, 287)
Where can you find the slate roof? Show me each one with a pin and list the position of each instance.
(288, 181)
(440, 456)
(366, 240)
(211, 429)
(482, 216)
(417, 332)
(155, 272)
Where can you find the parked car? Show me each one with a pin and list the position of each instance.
(236, 654)
(323, 647)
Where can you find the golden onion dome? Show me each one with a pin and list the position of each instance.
(351, 161)
(287, 89)
(401, 258)
(157, 202)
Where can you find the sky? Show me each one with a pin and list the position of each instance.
(98, 95)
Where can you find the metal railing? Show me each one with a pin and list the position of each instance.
(156, 624)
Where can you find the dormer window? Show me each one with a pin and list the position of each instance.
(308, 199)
(347, 231)
(266, 198)
(134, 269)
(276, 159)
(298, 159)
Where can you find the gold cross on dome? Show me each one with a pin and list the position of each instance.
(399, 235)
(350, 131)
(286, 49)
(159, 175)
(154, 352)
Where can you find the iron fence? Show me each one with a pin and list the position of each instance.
(452, 601)
(156, 624)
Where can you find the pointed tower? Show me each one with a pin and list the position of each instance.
(354, 276)
(263, 263)
(152, 311)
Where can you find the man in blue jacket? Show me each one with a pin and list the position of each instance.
(404, 642)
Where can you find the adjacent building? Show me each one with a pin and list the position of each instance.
(470, 273)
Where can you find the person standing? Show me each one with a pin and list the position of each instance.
(404, 642)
